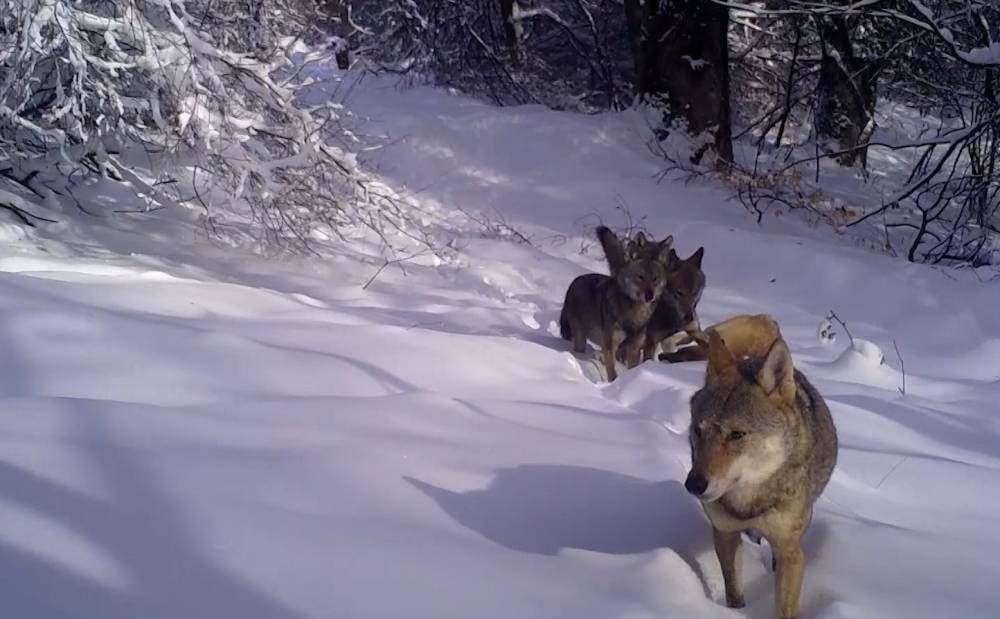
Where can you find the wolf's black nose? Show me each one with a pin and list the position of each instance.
(649, 296)
(696, 483)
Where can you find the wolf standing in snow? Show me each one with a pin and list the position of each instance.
(763, 447)
(613, 311)
(676, 309)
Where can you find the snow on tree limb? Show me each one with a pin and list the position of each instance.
(204, 88)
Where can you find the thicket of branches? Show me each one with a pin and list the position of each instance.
(803, 76)
(209, 94)
(560, 53)
(204, 93)
(823, 66)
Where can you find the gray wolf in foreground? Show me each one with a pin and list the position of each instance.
(763, 447)
(613, 311)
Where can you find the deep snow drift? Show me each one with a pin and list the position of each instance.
(191, 432)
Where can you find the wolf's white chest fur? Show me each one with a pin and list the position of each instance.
(751, 470)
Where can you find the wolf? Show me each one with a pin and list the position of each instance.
(612, 311)
(763, 447)
(676, 309)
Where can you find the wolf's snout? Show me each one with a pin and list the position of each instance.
(649, 296)
(696, 483)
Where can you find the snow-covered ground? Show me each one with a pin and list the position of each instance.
(188, 431)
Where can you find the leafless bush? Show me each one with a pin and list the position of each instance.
(205, 94)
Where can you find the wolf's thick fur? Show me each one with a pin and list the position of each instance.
(763, 447)
(613, 311)
(676, 310)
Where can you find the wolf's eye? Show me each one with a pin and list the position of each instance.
(736, 435)
(697, 431)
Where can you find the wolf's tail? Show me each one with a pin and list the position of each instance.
(614, 253)
(564, 329)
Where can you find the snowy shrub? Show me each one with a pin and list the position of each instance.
(194, 102)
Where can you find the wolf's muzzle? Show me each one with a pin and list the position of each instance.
(696, 483)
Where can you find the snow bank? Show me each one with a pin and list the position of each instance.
(189, 431)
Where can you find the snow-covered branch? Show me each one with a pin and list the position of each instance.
(205, 90)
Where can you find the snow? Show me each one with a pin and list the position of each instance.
(989, 55)
(190, 430)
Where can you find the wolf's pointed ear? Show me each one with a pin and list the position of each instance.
(696, 257)
(777, 375)
(721, 363)
(664, 245)
(612, 246)
(634, 248)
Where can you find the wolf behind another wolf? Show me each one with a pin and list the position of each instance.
(677, 309)
(612, 311)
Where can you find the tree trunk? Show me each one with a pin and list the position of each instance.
(337, 20)
(510, 30)
(346, 30)
(681, 52)
(645, 27)
(846, 93)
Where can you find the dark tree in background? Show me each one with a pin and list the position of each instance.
(510, 29)
(681, 53)
(338, 13)
(846, 89)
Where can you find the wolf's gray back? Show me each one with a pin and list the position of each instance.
(818, 422)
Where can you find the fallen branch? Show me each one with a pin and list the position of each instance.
(902, 367)
(25, 216)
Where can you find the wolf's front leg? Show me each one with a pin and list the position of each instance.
(609, 351)
(609, 364)
(633, 349)
(650, 342)
(788, 580)
(727, 548)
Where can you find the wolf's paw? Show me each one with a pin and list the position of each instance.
(735, 601)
